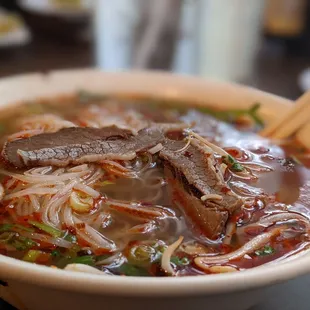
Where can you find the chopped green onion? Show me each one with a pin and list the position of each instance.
(22, 243)
(180, 261)
(102, 257)
(5, 227)
(233, 115)
(79, 203)
(55, 253)
(21, 227)
(48, 229)
(7, 236)
(142, 255)
(130, 270)
(31, 256)
(85, 260)
(71, 238)
(237, 167)
(232, 163)
(266, 250)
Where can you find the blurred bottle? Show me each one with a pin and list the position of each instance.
(229, 38)
(146, 34)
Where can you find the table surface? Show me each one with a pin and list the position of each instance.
(274, 72)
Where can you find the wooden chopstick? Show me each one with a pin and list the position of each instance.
(291, 121)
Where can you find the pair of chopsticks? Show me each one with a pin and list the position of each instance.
(296, 122)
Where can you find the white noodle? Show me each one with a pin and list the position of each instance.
(84, 269)
(251, 246)
(214, 147)
(31, 191)
(211, 197)
(155, 149)
(1, 192)
(79, 168)
(44, 178)
(57, 201)
(67, 217)
(38, 171)
(87, 190)
(166, 258)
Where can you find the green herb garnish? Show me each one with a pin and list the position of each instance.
(48, 229)
(7, 236)
(133, 271)
(5, 227)
(232, 163)
(71, 238)
(232, 116)
(266, 250)
(180, 261)
(85, 260)
(142, 255)
(22, 243)
(31, 256)
(21, 227)
(55, 253)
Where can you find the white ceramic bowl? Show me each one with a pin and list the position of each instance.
(36, 287)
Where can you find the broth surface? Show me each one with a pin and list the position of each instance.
(121, 217)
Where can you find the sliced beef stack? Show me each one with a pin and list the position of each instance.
(196, 183)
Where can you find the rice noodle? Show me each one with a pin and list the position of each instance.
(211, 197)
(97, 175)
(43, 178)
(87, 190)
(84, 269)
(10, 183)
(214, 147)
(186, 146)
(1, 192)
(115, 164)
(31, 191)
(155, 149)
(68, 217)
(79, 168)
(57, 201)
(230, 231)
(147, 165)
(166, 257)
(94, 237)
(38, 171)
(251, 246)
(117, 258)
(279, 217)
(58, 171)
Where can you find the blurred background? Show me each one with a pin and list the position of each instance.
(262, 43)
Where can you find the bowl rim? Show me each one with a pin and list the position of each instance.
(170, 86)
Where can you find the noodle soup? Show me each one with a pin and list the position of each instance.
(126, 185)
